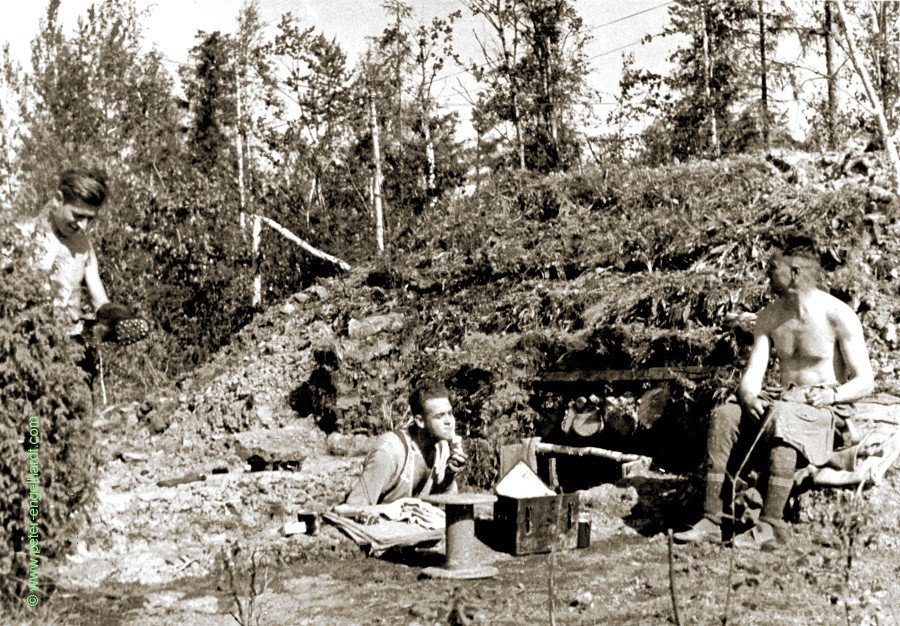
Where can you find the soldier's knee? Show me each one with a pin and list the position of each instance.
(725, 418)
(782, 460)
(723, 430)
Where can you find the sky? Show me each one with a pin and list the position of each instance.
(170, 26)
(616, 27)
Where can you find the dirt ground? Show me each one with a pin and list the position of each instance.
(153, 557)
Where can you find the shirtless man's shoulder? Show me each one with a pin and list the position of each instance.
(835, 310)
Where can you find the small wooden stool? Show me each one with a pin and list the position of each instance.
(461, 543)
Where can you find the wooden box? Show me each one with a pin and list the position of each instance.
(536, 525)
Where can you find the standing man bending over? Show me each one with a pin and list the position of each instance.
(62, 244)
(61, 248)
(824, 364)
(417, 461)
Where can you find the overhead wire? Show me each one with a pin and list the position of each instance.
(591, 29)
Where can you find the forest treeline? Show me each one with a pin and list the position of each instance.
(357, 157)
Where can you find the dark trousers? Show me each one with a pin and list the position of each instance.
(89, 361)
(731, 437)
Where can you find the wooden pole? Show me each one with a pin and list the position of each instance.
(874, 100)
(284, 232)
(602, 453)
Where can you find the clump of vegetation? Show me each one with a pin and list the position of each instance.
(45, 427)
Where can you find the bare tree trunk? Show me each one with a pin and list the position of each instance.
(376, 187)
(707, 78)
(477, 160)
(882, 58)
(764, 91)
(239, 139)
(429, 161)
(549, 114)
(548, 93)
(860, 67)
(310, 197)
(257, 275)
(520, 141)
(829, 70)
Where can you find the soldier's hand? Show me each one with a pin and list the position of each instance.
(458, 458)
(753, 404)
(821, 396)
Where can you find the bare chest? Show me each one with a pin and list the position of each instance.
(812, 339)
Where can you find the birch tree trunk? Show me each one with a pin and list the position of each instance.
(376, 186)
(707, 79)
(239, 140)
(254, 250)
(874, 100)
(429, 161)
(520, 141)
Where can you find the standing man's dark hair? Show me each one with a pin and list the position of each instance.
(85, 185)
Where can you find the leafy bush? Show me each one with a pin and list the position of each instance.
(39, 379)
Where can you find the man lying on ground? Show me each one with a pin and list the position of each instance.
(416, 461)
(824, 365)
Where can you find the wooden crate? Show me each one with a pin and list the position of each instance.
(536, 525)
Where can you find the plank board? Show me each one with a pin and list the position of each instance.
(583, 377)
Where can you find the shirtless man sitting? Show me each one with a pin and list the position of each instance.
(824, 364)
(416, 461)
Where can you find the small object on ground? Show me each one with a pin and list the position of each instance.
(181, 480)
(522, 482)
(311, 519)
(294, 528)
(220, 469)
(256, 463)
(134, 457)
(584, 600)
(461, 560)
(584, 530)
(366, 526)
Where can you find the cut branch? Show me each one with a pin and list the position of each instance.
(319, 254)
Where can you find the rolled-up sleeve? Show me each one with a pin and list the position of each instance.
(380, 468)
